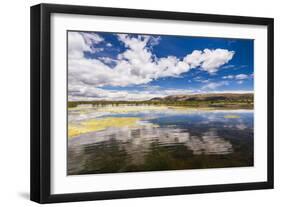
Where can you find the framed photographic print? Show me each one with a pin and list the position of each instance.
(133, 103)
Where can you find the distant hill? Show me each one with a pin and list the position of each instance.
(222, 100)
(207, 97)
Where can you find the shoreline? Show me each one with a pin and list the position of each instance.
(168, 106)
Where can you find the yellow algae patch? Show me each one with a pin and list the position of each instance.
(231, 116)
(75, 131)
(100, 124)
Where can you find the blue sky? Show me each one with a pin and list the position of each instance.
(116, 66)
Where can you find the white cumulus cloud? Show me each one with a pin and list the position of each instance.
(214, 85)
(238, 77)
(135, 66)
(241, 77)
(79, 42)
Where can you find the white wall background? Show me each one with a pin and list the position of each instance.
(14, 103)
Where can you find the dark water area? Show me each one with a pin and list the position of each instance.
(166, 140)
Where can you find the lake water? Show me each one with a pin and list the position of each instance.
(113, 139)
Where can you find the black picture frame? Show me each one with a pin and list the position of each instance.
(41, 102)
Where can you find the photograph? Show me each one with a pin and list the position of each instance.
(153, 102)
(131, 103)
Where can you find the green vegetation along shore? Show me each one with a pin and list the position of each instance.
(225, 100)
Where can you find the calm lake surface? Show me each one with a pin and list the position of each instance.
(112, 139)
